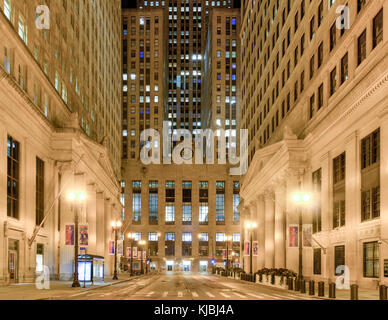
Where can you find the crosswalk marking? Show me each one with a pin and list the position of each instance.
(283, 297)
(165, 294)
(150, 294)
(210, 295)
(180, 294)
(255, 296)
(224, 294)
(270, 296)
(239, 295)
(195, 295)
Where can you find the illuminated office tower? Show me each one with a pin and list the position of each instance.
(60, 100)
(314, 99)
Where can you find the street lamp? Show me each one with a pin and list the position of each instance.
(142, 243)
(301, 198)
(76, 198)
(228, 238)
(116, 225)
(250, 226)
(131, 236)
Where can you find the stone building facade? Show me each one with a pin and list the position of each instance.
(315, 101)
(49, 142)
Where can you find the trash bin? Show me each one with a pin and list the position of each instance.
(321, 289)
(383, 292)
(354, 292)
(311, 287)
(297, 284)
(290, 283)
(303, 286)
(332, 290)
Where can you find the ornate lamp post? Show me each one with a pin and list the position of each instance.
(299, 199)
(116, 225)
(76, 198)
(250, 226)
(131, 236)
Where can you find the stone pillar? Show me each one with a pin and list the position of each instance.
(66, 256)
(326, 213)
(244, 238)
(353, 204)
(383, 119)
(253, 218)
(280, 226)
(261, 231)
(100, 230)
(269, 230)
(91, 218)
(3, 206)
(108, 237)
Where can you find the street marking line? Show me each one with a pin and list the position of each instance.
(195, 295)
(78, 294)
(150, 294)
(239, 295)
(165, 294)
(210, 295)
(180, 294)
(270, 296)
(224, 295)
(283, 297)
(255, 296)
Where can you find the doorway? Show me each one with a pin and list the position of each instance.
(169, 265)
(186, 265)
(13, 261)
(203, 266)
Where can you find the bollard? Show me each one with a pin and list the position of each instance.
(311, 287)
(303, 286)
(290, 284)
(383, 292)
(321, 289)
(297, 284)
(255, 278)
(332, 290)
(354, 292)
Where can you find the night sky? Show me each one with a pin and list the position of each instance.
(132, 3)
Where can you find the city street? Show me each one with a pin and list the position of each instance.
(185, 286)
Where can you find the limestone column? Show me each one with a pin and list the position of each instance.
(269, 230)
(91, 217)
(383, 189)
(253, 218)
(326, 214)
(280, 227)
(108, 236)
(244, 238)
(100, 230)
(260, 231)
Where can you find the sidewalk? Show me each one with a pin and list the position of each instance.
(363, 294)
(28, 291)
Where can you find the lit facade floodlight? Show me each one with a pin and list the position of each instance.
(80, 196)
(301, 197)
(71, 196)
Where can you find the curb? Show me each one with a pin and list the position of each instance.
(98, 287)
(276, 289)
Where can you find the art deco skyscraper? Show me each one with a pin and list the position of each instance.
(185, 212)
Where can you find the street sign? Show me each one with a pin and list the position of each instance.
(213, 262)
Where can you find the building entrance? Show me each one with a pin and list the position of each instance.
(203, 266)
(13, 263)
(186, 265)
